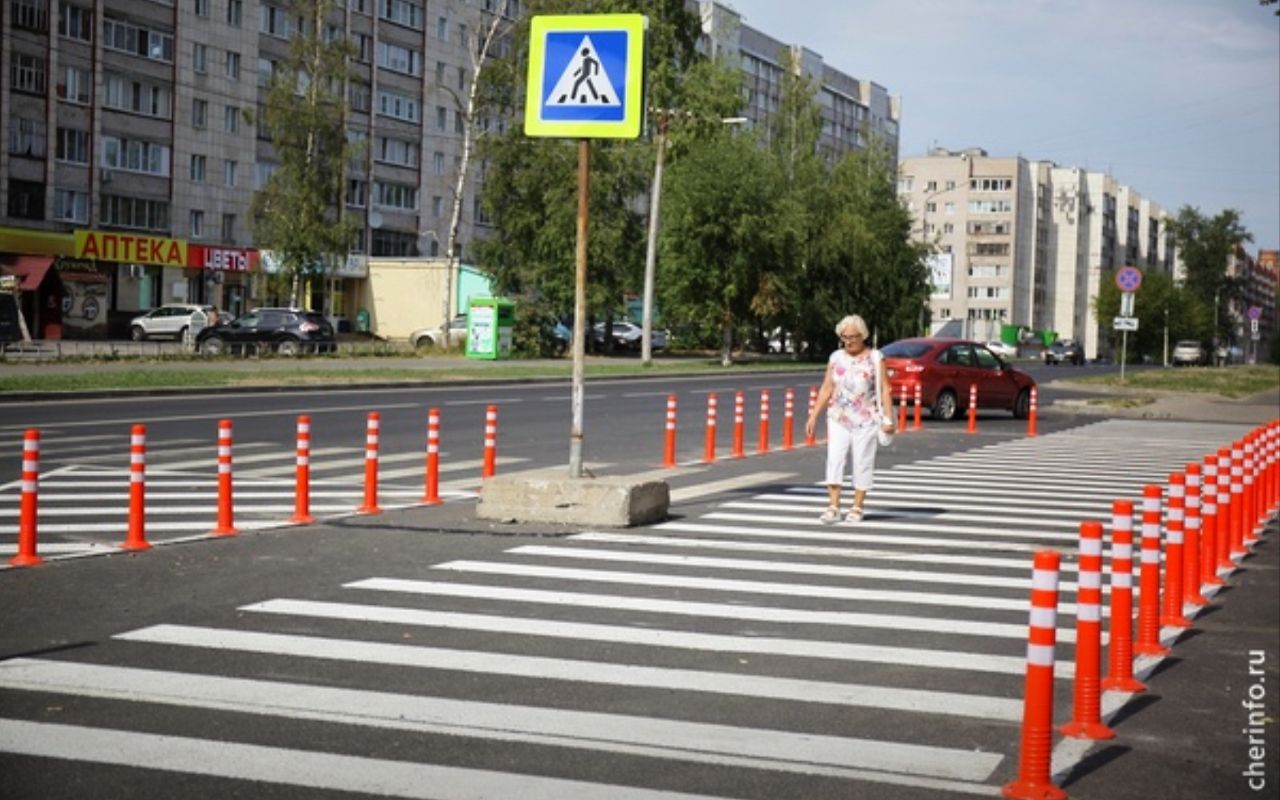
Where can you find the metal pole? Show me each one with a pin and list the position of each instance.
(580, 308)
(1124, 343)
(1166, 336)
(651, 251)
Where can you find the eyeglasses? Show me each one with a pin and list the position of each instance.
(851, 338)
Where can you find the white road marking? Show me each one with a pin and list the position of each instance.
(684, 493)
(874, 521)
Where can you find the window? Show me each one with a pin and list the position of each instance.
(74, 86)
(462, 34)
(197, 168)
(26, 73)
(135, 155)
(437, 163)
(462, 78)
(30, 14)
(235, 12)
(397, 151)
(399, 59)
(393, 243)
(199, 113)
(357, 6)
(197, 224)
(360, 98)
(124, 94)
(364, 47)
(127, 38)
(262, 172)
(231, 119)
(75, 22)
(437, 206)
(458, 122)
(991, 184)
(401, 12)
(440, 73)
(200, 58)
(442, 118)
(950, 185)
(228, 227)
(990, 206)
(395, 195)
(931, 186)
(394, 104)
(134, 212)
(229, 173)
(73, 146)
(357, 193)
(70, 206)
(202, 8)
(27, 137)
(949, 208)
(233, 65)
(442, 29)
(277, 22)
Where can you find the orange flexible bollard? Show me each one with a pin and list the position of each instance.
(788, 419)
(1031, 412)
(915, 424)
(1035, 753)
(28, 506)
(902, 408)
(226, 511)
(1225, 564)
(1086, 720)
(669, 440)
(709, 446)
(302, 480)
(1238, 550)
(370, 505)
(1209, 525)
(1191, 542)
(136, 538)
(810, 441)
(973, 409)
(490, 467)
(1147, 641)
(739, 423)
(1251, 515)
(1120, 653)
(1171, 611)
(431, 493)
(762, 443)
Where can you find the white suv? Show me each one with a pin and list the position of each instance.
(168, 320)
(1188, 352)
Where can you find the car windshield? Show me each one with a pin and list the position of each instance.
(1187, 343)
(906, 349)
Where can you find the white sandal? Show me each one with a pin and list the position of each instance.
(831, 516)
(854, 516)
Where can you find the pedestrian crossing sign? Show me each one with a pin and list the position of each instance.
(586, 76)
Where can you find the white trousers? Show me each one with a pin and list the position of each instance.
(857, 445)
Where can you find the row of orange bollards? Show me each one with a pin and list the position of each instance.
(1216, 511)
(135, 537)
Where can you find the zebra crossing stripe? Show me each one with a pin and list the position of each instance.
(825, 536)
(925, 701)
(885, 621)
(1005, 498)
(651, 637)
(615, 733)
(874, 521)
(925, 510)
(682, 493)
(305, 768)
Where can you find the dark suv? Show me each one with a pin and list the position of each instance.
(287, 331)
(1064, 352)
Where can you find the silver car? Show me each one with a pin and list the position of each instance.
(1188, 352)
(172, 320)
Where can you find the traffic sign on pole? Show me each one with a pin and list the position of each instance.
(1129, 279)
(586, 76)
(1125, 324)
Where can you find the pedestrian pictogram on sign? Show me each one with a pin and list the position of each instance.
(586, 76)
(583, 82)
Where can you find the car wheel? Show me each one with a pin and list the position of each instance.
(137, 334)
(1022, 406)
(182, 334)
(213, 346)
(945, 407)
(289, 347)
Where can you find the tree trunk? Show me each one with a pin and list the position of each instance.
(726, 340)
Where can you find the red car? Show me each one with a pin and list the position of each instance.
(945, 368)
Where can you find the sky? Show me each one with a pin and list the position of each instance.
(1178, 99)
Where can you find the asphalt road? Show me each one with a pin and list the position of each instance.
(737, 650)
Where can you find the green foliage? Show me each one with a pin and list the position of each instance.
(1189, 317)
(1206, 245)
(297, 214)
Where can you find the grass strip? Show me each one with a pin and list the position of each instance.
(1233, 382)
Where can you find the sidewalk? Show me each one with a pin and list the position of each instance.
(1190, 406)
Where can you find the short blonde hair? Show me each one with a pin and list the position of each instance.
(853, 321)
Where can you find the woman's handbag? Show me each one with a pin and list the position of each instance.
(883, 438)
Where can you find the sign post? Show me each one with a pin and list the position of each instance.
(585, 81)
(1128, 279)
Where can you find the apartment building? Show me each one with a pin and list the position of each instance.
(1026, 243)
(135, 144)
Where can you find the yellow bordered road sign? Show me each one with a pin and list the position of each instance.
(586, 76)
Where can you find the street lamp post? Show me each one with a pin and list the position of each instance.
(651, 249)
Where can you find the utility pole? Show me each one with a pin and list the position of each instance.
(651, 250)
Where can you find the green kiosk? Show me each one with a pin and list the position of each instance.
(490, 321)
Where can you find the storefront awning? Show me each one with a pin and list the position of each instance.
(31, 269)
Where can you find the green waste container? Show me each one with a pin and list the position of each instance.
(362, 320)
(490, 323)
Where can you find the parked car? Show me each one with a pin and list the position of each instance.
(628, 336)
(430, 337)
(1064, 352)
(1189, 352)
(171, 320)
(286, 331)
(945, 368)
(1005, 351)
